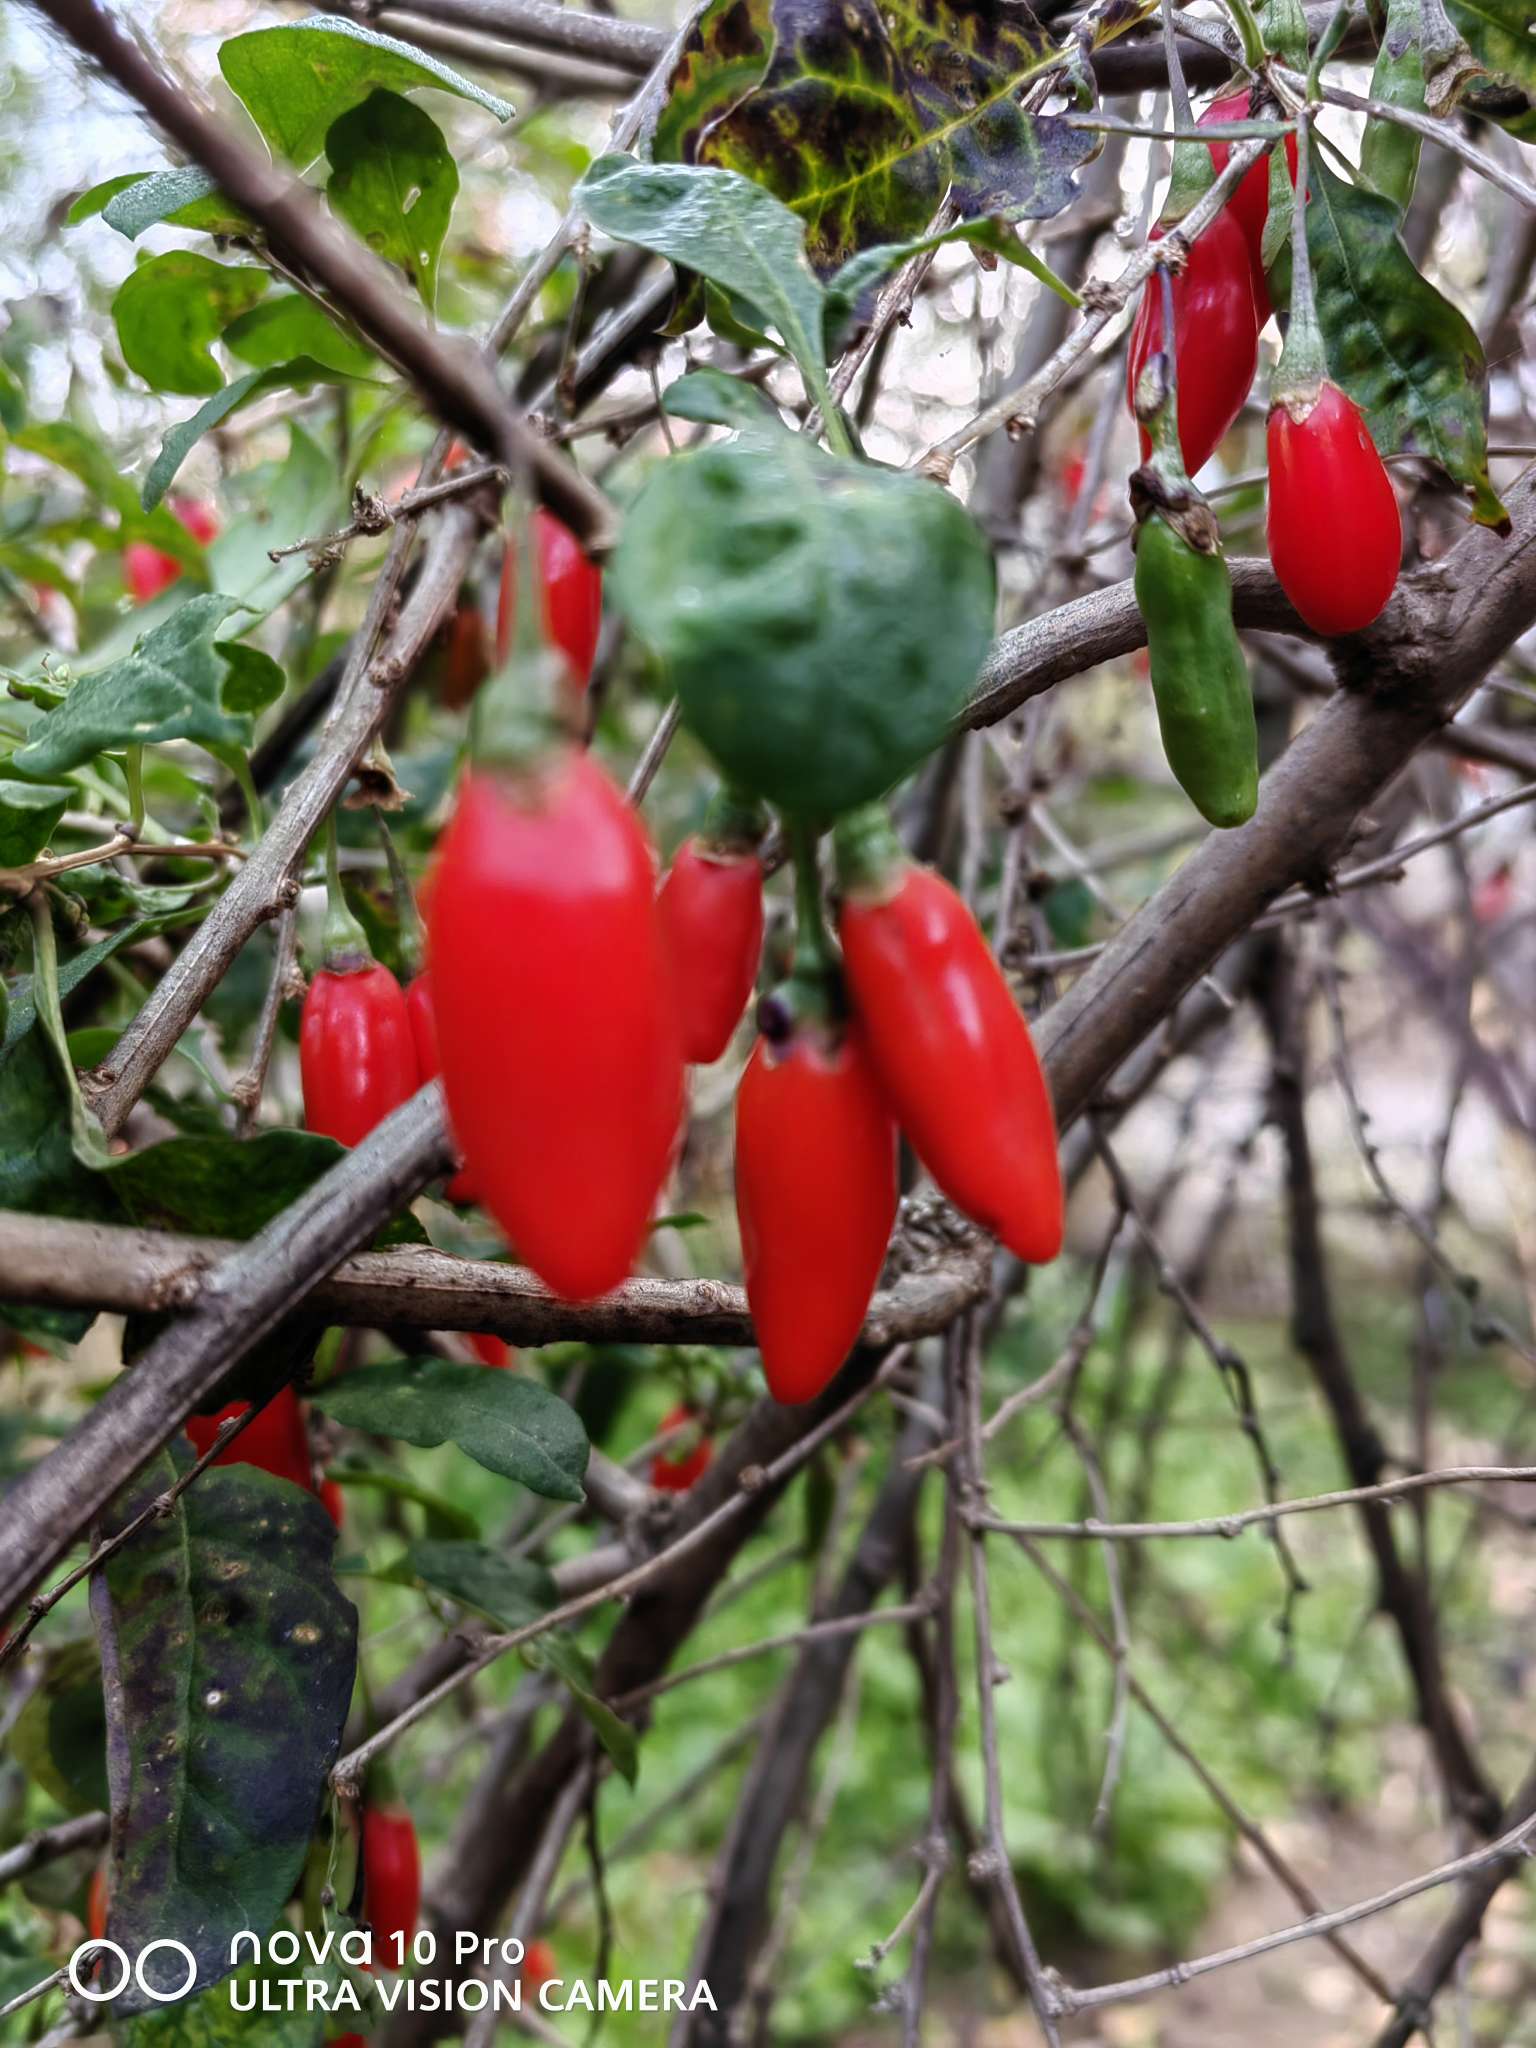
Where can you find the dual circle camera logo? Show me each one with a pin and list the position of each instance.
(101, 1994)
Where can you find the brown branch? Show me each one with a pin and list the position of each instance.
(54, 1262)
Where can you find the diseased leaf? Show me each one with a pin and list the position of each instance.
(1500, 34)
(29, 811)
(296, 80)
(393, 181)
(228, 1655)
(289, 327)
(1407, 357)
(504, 1420)
(170, 687)
(759, 572)
(185, 198)
(862, 115)
(172, 308)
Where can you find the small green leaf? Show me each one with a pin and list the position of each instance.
(504, 1420)
(228, 1655)
(23, 1010)
(850, 290)
(283, 329)
(297, 79)
(509, 1591)
(29, 811)
(13, 401)
(170, 687)
(821, 619)
(182, 439)
(254, 680)
(185, 198)
(721, 225)
(719, 400)
(393, 181)
(172, 308)
(93, 200)
(1407, 357)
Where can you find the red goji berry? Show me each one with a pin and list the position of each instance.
(572, 587)
(1335, 531)
(676, 1471)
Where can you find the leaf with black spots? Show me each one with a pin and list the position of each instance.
(228, 1655)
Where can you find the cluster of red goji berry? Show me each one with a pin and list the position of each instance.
(1335, 532)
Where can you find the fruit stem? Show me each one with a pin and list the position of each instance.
(407, 916)
(1303, 364)
(344, 947)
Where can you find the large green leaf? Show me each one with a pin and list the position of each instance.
(172, 308)
(38, 1167)
(1407, 357)
(296, 80)
(504, 1420)
(394, 181)
(60, 1736)
(1500, 34)
(228, 1654)
(863, 115)
(29, 811)
(821, 619)
(170, 687)
(289, 327)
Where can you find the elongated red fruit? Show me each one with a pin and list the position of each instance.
(1216, 329)
(492, 1350)
(147, 570)
(96, 1903)
(676, 1471)
(815, 1198)
(555, 1017)
(1249, 204)
(276, 1440)
(711, 907)
(572, 587)
(418, 1001)
(391, 1882)
(357, 1055)
(949, 1043)
(1335, 531)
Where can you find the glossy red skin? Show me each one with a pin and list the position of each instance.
(1249, 204)
(1335, 532)
(573, 596)
(1217, 349)
(815, 1198)
(711, 910)
(391, 1881)
(148, 570)
(418, 1002)
(555, 1017)
(96, 1903)
(955, 1058)
(357, 1053)
(493, 1351)
(276, 1441)
(675, 1474)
